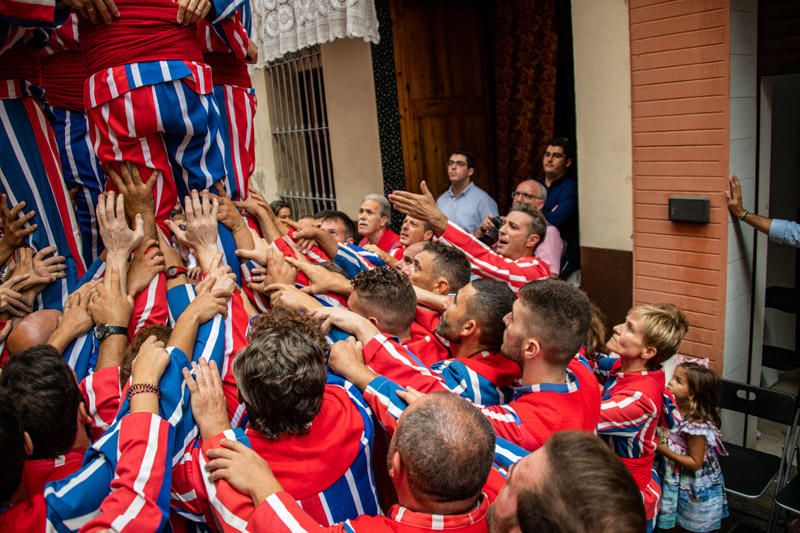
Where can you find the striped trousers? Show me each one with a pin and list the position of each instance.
(237, 107)
(81, 170)
(30, 170)
(166, 126)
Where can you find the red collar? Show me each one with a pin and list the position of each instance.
(403, 515)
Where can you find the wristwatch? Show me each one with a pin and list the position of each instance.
(175, 271)
(101, 331)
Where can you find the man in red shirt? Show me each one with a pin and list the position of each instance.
(374, 216)
(439, 459)
(511, 261)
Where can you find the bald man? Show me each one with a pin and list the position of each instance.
(34, 329)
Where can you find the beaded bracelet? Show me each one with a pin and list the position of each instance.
(138, 388)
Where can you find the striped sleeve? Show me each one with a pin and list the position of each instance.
(30, 11)
(231, 508)
(488, 264)
(102, 393)
(141, 481)
(670, 414)
(194, 494)
(381, 397)
(80, 354)
(625, 413)
(464, 381)
(508, 425)
(260, 301)
(150, 305)
(354, 259)
(280, 513)
(392, 360)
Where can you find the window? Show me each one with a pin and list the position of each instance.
(300, 130)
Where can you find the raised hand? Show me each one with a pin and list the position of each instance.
(146, 369)
(138, 194)
(110, 305)
(172, 257)
(320, 279)
(421, 206)
(39, 271)
(210, 300)
(201, 227)
(228, 214)
(150, 362)
(146, 263)
(258, 253)
(75, 320)
(91, 9)
(190, 11)
(11, 299)
(15, 225)
(50, 268)
(291, 297)
(119, 239)
(208, 401)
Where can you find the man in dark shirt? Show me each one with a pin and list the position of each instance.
(561, 205)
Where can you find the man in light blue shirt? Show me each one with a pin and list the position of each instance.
(780, 231)
(465, 203)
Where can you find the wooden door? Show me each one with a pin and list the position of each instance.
(441, 51)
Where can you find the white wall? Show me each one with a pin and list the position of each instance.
(601, 47)
(352, 121)
(264, 174)
(742, 162)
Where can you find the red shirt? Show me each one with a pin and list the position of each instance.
(388, 241)
(540, 410)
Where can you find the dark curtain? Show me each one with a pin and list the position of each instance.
(525, 61)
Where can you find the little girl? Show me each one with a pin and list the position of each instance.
(693, 494)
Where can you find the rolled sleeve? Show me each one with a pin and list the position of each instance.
(785, 232)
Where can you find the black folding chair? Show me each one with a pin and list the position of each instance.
(748, 473)
(787, 300)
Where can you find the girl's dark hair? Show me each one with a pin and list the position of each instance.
(704, 386)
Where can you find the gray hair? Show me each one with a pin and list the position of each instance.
(386, 207)
(542, 190)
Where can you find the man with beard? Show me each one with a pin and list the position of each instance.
(544, 331)
(472, 324)
(440, 269)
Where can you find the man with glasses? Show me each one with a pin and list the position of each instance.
(534, 194)
(464, 203)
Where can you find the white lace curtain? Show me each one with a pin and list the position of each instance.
(283, 26)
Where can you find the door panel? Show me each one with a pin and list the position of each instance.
(441, 54)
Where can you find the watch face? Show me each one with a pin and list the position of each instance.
(100, 331)
(171, 271)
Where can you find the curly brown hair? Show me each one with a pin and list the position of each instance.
(281, 374)
(389, 295)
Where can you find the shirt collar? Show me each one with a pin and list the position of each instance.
(403, 515)
(467, 188)
(571, 385)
